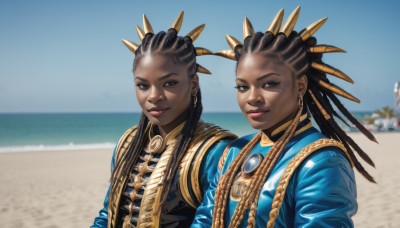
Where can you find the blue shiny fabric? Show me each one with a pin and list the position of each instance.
(208, 169)
(321, 193)
(102, 219)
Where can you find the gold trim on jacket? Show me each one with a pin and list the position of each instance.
(204, 137)
(291, 168)
(113, 206)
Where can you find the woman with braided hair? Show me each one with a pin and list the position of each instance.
(162, 166)
(289, 174)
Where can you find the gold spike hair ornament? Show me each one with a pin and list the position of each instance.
(232, 41)
(248, 29)
(147, 26)
(288, 27)
(140, 32)
(202, 51)
(229, 54)
(324, 49)
(195, 33)
(202, 69)
(319, 106)
(131, 45)
(311, 29)
(276, 27)
(276, 23)
(335, 89)
(330, 70)
(177, 24)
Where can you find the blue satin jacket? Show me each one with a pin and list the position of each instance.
(321, 193)
(208, 169)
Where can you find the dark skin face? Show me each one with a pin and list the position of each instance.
(164, 90)
(267, 91)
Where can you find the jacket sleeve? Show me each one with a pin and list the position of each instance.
(102, 219)
(325, 195)
(209, 182)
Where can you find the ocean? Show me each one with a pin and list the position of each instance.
(72, 131)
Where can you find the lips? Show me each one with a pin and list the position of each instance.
(257, 113)
(157, 111)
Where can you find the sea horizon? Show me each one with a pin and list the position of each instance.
(59, 131)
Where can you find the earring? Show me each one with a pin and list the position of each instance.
(194, 99)
(300, 101)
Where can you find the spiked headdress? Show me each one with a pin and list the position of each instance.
(176, 25)
(276, 28)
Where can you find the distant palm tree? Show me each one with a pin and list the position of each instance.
(387, 114)
(369, 120)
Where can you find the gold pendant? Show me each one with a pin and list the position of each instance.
(239, 187)
(156, 144)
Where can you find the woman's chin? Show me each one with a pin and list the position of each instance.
(258, 125)
(154, 121)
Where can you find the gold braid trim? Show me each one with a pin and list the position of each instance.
(122, 146)
(150, 211)
(124, 141)
(222, 160)
(291, 168)
(197, 188)
(204, 137)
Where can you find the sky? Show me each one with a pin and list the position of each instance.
(67, 56)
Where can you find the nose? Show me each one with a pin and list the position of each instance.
(254, 97)
(156, 95)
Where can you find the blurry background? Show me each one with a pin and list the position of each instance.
(67, 93)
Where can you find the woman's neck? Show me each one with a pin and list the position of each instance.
(166, 129)
(270, 130)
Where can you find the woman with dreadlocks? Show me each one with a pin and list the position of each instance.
(289, 174)
(162, 166)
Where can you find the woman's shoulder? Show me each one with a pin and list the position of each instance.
(125, 139)
(209, 131)
(128, 134)
(325, 154)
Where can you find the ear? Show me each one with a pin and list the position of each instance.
(195, 83)
(302, 83)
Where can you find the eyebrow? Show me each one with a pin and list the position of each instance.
(160, 79)
(260, 78)
(266, 76)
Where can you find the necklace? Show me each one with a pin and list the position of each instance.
(156, 143)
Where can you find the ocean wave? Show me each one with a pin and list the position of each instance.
(70, 146)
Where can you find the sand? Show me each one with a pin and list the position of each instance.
(67, 188)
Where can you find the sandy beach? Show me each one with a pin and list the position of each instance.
(66, 188)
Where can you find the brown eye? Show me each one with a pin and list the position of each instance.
(271, 84)
(142, 86)
(241, 88)
(170, 83)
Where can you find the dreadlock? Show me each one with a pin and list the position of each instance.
(181, 51)
(300, 52)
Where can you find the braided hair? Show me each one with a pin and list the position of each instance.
(300, 52)
(181, 51)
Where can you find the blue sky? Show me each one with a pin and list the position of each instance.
(67, 56)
